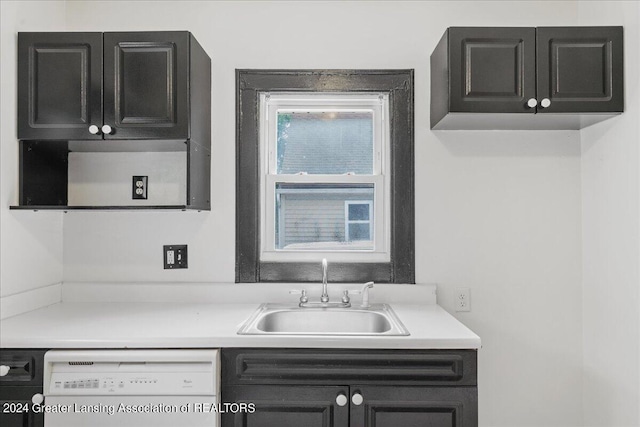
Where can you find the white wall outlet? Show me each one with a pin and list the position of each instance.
(462, 299)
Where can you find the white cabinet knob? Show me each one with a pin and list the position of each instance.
(532, 102)
(37, 399)
(545, 103)
(93, 129)
(106, 129)
(4, 370)
(341, 400)
(357, 399)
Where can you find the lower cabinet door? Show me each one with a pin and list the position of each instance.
(16, 409)
(385, 406)
(287, 406)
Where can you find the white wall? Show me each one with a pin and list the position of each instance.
(498, 212)
(30, 244)
(611, 232)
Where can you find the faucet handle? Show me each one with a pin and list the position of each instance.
(345, 297)
(303, 295)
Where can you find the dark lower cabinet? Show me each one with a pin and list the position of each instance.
(277, 406)
(18, 386)
(16, 408)
(350, 388)
(414, 407)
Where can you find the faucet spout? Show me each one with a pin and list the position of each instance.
(325, 294)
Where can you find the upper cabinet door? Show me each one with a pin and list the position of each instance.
(580, 69)
(146, 85)
(60, 85)
(492, 70)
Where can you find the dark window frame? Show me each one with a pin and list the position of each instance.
(399, 84)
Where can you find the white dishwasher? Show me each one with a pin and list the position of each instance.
(121, 388)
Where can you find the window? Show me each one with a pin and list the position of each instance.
(358, 221)
(318, 152)
(324, 168)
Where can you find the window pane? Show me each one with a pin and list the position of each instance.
(313, 217)
(358, 212)
(359, 231)
(327, 142)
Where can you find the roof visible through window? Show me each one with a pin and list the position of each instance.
(325, 142)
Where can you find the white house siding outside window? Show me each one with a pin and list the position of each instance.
(324, 178)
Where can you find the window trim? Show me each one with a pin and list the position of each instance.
(399, 86)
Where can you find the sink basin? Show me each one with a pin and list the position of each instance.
(278, 319)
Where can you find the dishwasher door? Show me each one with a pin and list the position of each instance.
(122, 388)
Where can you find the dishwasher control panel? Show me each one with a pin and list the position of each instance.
(134, 372)
(130, 383)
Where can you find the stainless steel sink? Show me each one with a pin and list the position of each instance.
(279, 319)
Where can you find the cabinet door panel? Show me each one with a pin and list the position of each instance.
(492, 70)
(580, 69)
(12, 398)
(60, 82)
(146, 85)
(388, 406)
(277, 406)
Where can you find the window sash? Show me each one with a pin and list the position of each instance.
(270, 105)
(380, 227)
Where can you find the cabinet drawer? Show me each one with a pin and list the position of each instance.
(333, 366)
(25, 367)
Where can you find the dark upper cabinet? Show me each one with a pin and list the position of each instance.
(59, 85)
(525, 71)
(86, 93)
(580, 69)
(146, 85)
(493, 64)
(125, 86)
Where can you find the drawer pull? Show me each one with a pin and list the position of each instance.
(4, 370)
(37, 399)
(357, 399)
(341, 399)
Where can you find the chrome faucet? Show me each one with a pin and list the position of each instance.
(325, 294)
(324, 298)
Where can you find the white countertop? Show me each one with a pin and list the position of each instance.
(78, 322)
